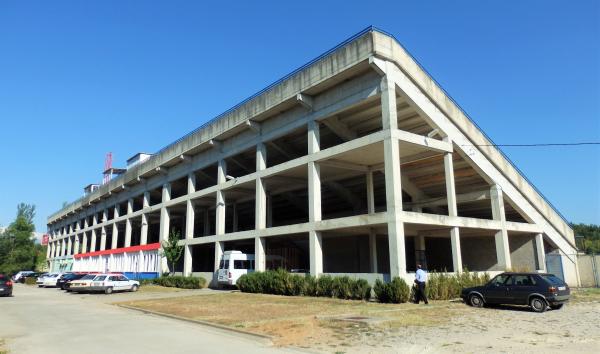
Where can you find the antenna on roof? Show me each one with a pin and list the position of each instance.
(107, 168)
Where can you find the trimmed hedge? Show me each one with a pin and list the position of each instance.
(280, 282)
(396, 291)
(177, 281)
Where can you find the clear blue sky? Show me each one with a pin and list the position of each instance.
(81, 78)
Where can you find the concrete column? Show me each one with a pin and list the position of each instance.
(191, 183)
(129, 206)
(452, 211)
(84, 242)
(115, 236)
(146, 200)
(373, 250)
(93, 241)
(102, 238)
(48, 250)
(540, 252)
(393, 187)
(164, 213)
(260, 214)
(190, 217)
(370, 193)
(260, 257)
(220, 212)
(187, 261)
(128, 230)
(314, 201)
(144, 230)
(219, 246)
(501, 237)
(70, 246)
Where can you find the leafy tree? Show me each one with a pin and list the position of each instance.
(591, 237)
(17, 248)
(171, 250)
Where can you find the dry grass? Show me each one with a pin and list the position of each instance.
(300, 321)
(151, 288)
(585, 295)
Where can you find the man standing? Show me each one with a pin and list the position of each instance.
(420, 280)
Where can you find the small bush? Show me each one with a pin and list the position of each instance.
(396, 291)
(441, 286)
(30, 281)
(179, 282)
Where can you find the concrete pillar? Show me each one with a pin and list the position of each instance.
(70, 246)
(102, 238)
(93, 241)
(220, 212)
(370, 193)
(314, 201)
(48, 250)
(260, 257)
(84, 242)
(393, 187)
(373, 250)
(129, 206)
(187, 261)
(452, 210)
(260, 214)
(144, 230)
(115, 236)
(191, 183)
(146, 200)
(219, 246)
(540, 252)
(164, 213)
(128, 230)
(501, 237)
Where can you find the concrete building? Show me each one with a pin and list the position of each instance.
(356, 163)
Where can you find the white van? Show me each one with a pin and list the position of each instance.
(233, 265)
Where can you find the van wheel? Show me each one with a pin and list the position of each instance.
(134, 288)
(475, 300)
(108, 290)
(537, 304)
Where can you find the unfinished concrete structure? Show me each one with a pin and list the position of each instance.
(356, 163)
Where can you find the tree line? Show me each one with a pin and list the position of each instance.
(18, 250)
(590, 243)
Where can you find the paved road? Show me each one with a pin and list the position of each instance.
(38, 321)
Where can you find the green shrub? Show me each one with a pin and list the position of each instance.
(179, 282)
(280, 282)
(396, 291)
(441, 286)
(30, 281)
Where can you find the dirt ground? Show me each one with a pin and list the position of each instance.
(338, 326)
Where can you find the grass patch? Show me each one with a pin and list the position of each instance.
(151, 288)
(297, 320)
(585, 295)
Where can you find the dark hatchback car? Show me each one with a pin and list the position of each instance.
(34, 275)
(6, 285)
(67, 278)
(538, 290)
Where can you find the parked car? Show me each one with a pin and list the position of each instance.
(6, 285)
(233, 265)
(67, 278)
(81, 285)
(538, 290)
(21, 275)
(49, 281)
(40, 279)
(108, 283)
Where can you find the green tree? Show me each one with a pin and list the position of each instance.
(17, 248)
(171, 250)
(590, 243)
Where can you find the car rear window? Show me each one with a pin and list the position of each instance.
(553, 279)
(242, 264)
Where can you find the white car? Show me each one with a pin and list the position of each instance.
(40, 280)
(21, 274)
(49, 281)
(233, 265)
(109, 283)
(80, 285)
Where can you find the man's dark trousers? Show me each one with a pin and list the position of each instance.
(421, 292)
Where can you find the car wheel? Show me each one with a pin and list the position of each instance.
(134, 288)
(476, 300)
(108, 290)
(537, 304)
(556, 307)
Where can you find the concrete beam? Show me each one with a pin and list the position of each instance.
(340, 129)
(305, 100)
